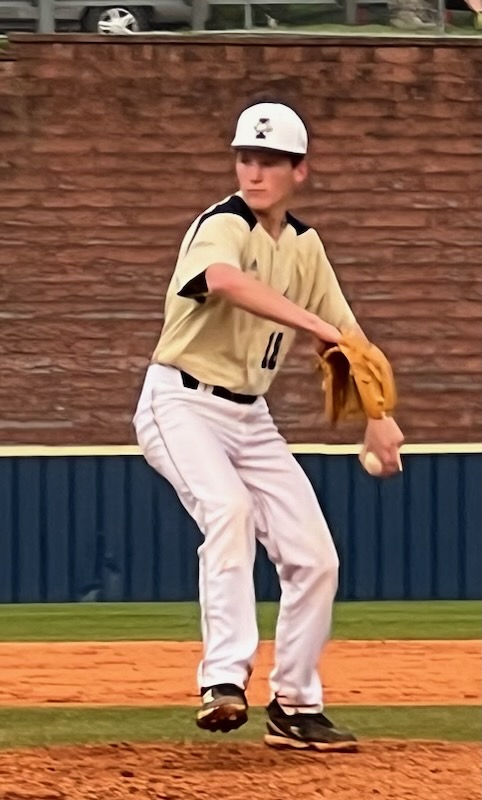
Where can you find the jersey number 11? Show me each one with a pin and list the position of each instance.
(272, 350)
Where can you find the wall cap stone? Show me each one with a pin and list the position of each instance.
(214, 37)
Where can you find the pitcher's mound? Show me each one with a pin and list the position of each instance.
(380, 770)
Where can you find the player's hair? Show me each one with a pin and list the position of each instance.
(274, 98)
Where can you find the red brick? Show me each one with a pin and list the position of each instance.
(436, 109)
(397, 73)
(59, 144)
(280, 54)
(412, 309)
(420, 162)
(400, 55)
(321, 55)
(366, 181)
(456, 219)
(398, 200)
(386, 218)
(383, 287)
(360, 109)
(446, 57)
(455, 163)
(454, 182)
(356, 55)
(467, 92)
(379, 237)
(378, 145)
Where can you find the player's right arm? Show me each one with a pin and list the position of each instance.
(210, 266)
(244, 291)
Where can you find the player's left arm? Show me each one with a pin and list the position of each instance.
(382, 436)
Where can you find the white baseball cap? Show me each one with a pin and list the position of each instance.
(271, 126)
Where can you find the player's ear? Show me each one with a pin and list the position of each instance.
(300, 172)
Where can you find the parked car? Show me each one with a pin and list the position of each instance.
(22, 15)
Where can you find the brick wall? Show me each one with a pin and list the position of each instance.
(109, 148)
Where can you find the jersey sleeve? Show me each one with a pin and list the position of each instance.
(219, 239)
(327, 300)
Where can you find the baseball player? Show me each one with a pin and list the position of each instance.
(248, 276)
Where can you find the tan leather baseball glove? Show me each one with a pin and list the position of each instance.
(358, 380)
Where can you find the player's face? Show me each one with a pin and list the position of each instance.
(267, 180)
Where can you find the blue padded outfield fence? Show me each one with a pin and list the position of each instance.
(97, 523)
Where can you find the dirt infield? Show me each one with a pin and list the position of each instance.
(379, 771)
(164, 673)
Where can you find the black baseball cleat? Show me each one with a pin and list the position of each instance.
(305, 731)
(224, 708)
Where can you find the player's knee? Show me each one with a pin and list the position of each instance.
(236, 506)
(331, 558)
(325, 564)
(315, 565)
(230, 542)
(331, 568)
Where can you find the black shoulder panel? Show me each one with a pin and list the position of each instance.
(299, 226)
(196, 288)
(234, 205)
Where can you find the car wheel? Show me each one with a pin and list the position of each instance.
(116, 20)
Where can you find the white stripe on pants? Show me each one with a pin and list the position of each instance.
(236, 477)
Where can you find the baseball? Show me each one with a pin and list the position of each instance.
(372, 464)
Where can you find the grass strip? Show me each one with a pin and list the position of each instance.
(47, 622)
(49, 726)
(464, 28)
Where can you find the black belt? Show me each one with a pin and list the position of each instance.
(218, 391)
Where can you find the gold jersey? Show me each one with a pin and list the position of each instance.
(220, 344)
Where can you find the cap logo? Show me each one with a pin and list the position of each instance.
(262, 128)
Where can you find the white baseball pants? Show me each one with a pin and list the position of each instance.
(235, 475)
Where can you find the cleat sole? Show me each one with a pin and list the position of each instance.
(224, 718)
(283, 742)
